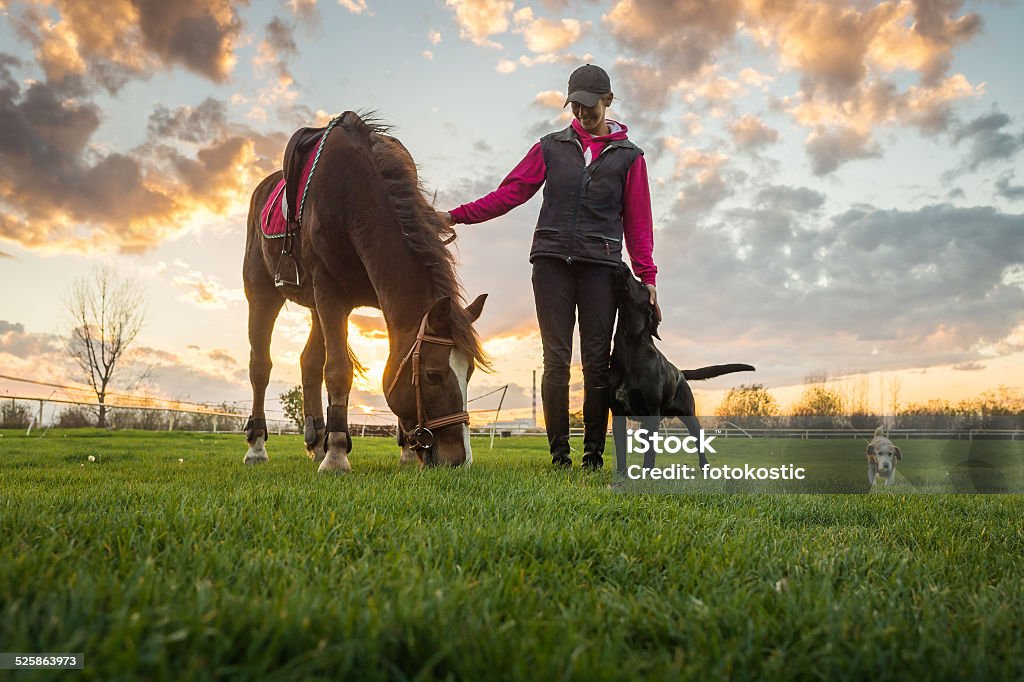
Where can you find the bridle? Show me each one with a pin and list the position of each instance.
(422, 437)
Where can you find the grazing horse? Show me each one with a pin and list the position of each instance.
(367, 237)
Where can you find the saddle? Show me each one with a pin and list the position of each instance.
(302, 143)
(286, 200)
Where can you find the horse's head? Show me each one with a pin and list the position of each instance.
(429, 395)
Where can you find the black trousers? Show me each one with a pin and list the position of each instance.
(562, 291)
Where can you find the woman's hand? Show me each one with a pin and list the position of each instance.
(446, 217)
(653, 291)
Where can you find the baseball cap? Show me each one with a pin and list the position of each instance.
(587, 84)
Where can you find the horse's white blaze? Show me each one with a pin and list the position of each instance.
(459, 363)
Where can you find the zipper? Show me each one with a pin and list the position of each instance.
(595, 164)
(576, 205)
(608, 241)
(582, 189)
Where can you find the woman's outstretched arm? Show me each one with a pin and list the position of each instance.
(517, 188)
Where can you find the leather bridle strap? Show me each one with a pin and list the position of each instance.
(422, 436)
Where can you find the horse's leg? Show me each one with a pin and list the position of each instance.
(263, 310)
(313, 357)
(338, 376)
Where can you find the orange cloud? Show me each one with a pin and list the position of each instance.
(368, 326)
(750, 132)
(846, 54)
(57, 193)
(354, 6)
(206, 291)
(684, 35)
(550, 99)
(114, 40)
(546, 35)
(480, 19)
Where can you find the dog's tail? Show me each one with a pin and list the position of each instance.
(715, 371)
(880, 431)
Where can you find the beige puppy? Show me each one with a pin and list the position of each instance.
(882, 458)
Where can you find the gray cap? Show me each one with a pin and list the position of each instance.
(587, 85)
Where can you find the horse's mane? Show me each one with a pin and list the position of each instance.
(424, 230)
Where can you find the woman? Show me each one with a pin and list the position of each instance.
(596, 196)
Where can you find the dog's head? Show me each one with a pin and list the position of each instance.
(636, 313)
(884, 454)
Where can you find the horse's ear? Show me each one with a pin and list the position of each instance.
(476, 307)
(439, 317)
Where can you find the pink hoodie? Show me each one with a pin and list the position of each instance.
(527, 177)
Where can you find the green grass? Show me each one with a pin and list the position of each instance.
(204, 569)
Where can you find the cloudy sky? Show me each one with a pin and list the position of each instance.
(838, 186)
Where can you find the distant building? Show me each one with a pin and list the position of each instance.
(521, 425)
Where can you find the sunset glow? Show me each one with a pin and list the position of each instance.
(837, 187)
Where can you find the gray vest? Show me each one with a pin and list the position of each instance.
(581, 218)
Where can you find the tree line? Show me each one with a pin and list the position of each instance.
(824, 406)
(19, 415)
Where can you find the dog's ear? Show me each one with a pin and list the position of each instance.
(870, 451)
(899, 455)
(652, 323)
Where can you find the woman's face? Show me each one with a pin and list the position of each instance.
(591, 118)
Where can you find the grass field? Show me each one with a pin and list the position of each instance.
(202, 569)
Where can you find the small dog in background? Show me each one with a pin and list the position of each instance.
(882, 458)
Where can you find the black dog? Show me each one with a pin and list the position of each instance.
(643, 381)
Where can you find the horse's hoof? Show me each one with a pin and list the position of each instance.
(335, 464)
(316, 453)
(257, 452)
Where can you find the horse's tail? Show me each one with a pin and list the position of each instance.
(714, 371)
(358, 368)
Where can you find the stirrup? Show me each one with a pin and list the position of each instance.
(281, 281)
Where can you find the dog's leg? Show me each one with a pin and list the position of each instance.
(693, 426)
(872, 470)
(619, 439)
(684, 406)
(653, 425)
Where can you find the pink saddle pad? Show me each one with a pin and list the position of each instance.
(272, 220)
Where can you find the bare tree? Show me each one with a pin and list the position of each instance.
(106, 313)
(894, 391)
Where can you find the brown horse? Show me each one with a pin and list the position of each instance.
(368, 237)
